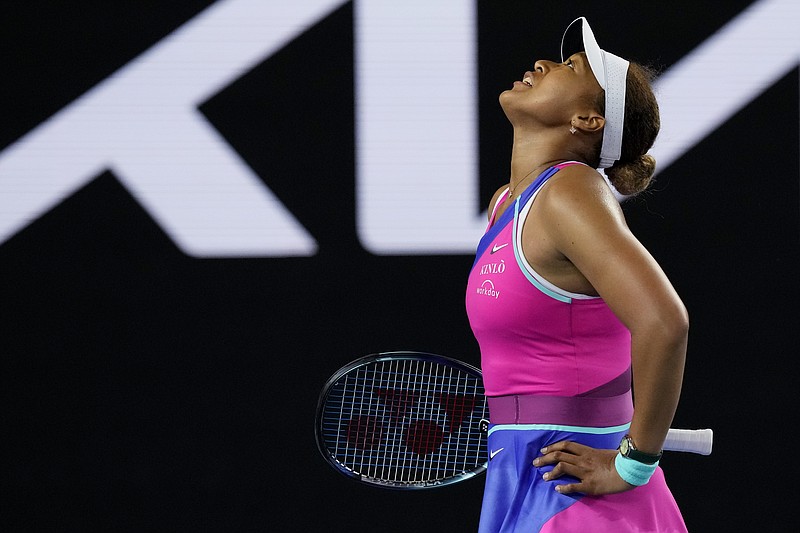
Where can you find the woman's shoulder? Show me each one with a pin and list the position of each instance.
(497, 194)
(578, 185)
(495, 197)
(579, 196)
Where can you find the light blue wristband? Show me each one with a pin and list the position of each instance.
(633, 471)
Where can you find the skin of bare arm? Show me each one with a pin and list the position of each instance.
(578, 239)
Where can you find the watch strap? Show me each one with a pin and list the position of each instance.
(628, 449)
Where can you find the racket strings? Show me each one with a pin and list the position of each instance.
(406, 421)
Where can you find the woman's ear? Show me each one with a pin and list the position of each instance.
(588, 123)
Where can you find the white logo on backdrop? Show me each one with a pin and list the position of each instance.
(143, 124)
(416, 129)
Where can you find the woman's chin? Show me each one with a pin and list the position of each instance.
(506, 100)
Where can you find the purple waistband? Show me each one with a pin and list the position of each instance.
(561, 410)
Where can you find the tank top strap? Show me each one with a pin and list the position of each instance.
(569, 164)
(500, 200)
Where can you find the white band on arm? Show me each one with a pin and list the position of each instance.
(633, 471)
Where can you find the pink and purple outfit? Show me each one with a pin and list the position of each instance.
(556, 366)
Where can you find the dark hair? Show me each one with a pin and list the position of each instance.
(634, 170)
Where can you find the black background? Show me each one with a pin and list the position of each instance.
(143, 389)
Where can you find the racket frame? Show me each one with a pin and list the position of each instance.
(395, 356)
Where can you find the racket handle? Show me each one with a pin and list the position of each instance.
(689, 440)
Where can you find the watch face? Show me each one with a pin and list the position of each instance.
(624, 446)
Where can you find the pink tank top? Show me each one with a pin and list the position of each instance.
(534, 337)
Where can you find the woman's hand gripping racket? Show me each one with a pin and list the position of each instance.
(411, 420)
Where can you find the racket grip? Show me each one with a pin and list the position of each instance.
(689, 440)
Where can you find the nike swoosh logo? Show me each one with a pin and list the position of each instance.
(498, 247)
(494, 452)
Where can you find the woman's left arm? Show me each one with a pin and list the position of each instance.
(586, 225)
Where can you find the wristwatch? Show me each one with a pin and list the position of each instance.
(627, 449)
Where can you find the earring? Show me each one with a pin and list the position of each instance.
(572, 129)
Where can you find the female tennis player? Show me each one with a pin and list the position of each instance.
(570, 309)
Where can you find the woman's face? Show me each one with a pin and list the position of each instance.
(552, 93)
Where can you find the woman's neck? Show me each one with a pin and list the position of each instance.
(530, 156)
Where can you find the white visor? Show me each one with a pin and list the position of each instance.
(611, 73)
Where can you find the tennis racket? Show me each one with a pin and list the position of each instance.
(412, 420)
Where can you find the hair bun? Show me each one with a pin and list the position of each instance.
(632, 177)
